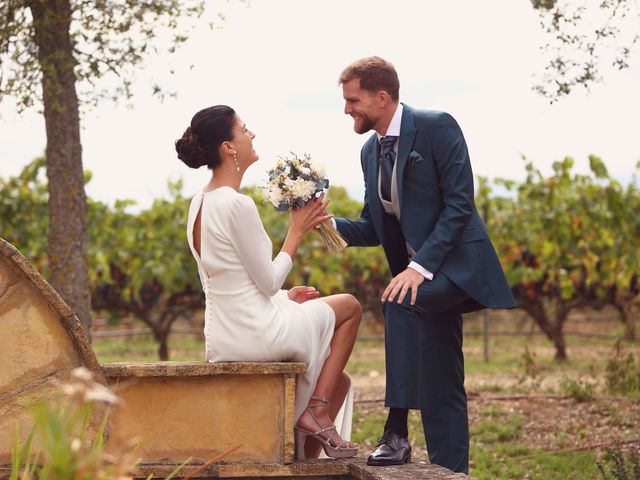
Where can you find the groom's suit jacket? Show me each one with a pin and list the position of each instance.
(438, 217)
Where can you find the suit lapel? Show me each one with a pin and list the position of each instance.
(405, 142)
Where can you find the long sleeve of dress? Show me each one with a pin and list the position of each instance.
(255, 249)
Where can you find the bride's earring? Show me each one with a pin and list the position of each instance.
(235, 159)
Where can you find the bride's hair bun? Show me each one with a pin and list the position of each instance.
(190, 151)
(200, 142)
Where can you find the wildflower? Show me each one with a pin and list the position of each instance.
(81, 373)
(100, 393)
(75, 445)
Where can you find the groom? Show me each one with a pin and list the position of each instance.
(419, 205)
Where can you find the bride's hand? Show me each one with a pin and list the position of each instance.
(309, 216)
(301, 294)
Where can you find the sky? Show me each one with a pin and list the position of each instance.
(276, 62)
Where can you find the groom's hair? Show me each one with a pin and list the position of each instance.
(375, 74)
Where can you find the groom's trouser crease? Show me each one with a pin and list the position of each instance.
(425, 371)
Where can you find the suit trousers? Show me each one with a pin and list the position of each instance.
(425, 370)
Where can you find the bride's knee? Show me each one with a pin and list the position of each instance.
(354, 307)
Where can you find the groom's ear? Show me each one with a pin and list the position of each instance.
(383, 98)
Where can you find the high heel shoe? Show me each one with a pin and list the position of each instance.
(333, 451)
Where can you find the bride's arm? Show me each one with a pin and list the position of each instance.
(254, 248)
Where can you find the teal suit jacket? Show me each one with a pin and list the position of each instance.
(438, 217)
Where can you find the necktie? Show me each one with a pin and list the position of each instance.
(387, 159)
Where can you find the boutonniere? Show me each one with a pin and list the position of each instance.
(414, 157)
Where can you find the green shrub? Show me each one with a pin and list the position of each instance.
(623, 373)
(530, 376)
(621, 465)
(580, 390)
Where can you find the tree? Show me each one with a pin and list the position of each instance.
(584, 37)
(141, 263)
(49, 48)
(23, 212)
(567, 241)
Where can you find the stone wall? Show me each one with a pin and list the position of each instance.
(41, 341)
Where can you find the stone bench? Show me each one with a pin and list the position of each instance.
(175, 410)
(202, 410)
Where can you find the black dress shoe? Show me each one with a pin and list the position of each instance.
(392, 449)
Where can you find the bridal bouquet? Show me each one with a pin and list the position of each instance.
(292, 183)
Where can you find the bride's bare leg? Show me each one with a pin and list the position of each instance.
(332, 384)
(340, 394)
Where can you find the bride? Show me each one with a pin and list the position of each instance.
(247, 315)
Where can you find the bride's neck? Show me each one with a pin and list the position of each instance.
(225, 177)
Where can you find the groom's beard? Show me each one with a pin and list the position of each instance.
(364, 125)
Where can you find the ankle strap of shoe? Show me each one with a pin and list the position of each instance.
(323, 401)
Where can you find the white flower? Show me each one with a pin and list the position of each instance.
(75, 445)
(303, 189)
(275, 196)
(71, 389)
(305, 170)
(100, 393)
(81, 373)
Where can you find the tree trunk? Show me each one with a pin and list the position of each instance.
(163, 347)
(161, 336)
(556, 332)
(165, 321)
(552, 329)
(67, 239)
(557, 337)
(627, 320)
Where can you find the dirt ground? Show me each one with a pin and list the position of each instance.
(550, 418)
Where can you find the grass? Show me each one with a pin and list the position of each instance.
(498, 448)
(505, 437)
(142, 348)
(492, 430)
(507, 462)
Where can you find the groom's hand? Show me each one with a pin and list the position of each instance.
(401, 283)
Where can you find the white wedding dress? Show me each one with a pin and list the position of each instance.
(247, 315)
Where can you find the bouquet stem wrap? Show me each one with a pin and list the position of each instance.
(331, 238)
